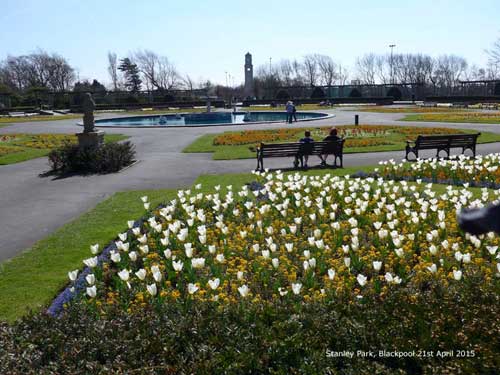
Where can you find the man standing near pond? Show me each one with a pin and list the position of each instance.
(289, 112)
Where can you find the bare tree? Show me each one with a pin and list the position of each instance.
(158, 71)
(327, 69)
(113, 69)
(343, 75)
(310, 69)
(494, 52)
(189, 83)
(365, 67)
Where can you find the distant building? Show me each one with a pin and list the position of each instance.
(248, 90)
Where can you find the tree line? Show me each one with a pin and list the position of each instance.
(149, 71)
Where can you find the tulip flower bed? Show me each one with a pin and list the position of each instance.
(273, 277)
(295, 239)
(474, 117)
(483, 171)
(362, 138)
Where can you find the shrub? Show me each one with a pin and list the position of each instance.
(110, 157)
(278, 339)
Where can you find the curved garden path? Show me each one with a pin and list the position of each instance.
(31, 207)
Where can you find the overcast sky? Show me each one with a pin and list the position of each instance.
(208, 38)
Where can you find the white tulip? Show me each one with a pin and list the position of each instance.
(133, 256)
(124, 275)
(72, 275)
(243, 290)
(115, 257)
(433, 268)
(282, 291)
(377, 265)
(177, 265)
(143, 239)
(361, 279)
(296, 287)
(144, 249)
(211, 249)
(275, 262)
(466, 258)
(331, 274)
(347, 261)
(220, 258)
(492, 249)
(94, 249)
(457, 275)
(289, 247)
(192, 288)
(90, 279)
(239, 275)
(92, 291)
(91, 262)
(152, 289)
(198, 262)
(130, 224)
(157, 276)
(141, 274)
(214, 284)
(144, 199)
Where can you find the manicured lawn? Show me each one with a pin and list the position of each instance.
(241, 145)
(15, 148)
(473, 117)
(10, 120)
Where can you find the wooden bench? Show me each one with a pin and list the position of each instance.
(298, 150)
(442, 143)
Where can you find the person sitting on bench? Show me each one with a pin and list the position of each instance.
(332, 137)
(304, 155)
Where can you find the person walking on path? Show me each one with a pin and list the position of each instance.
(294, 112)
(289, 112)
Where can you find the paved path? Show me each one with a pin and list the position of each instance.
(31, 207)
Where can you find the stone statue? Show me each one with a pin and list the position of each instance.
(88, 113)
(90, 137)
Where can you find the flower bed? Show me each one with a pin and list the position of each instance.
(482, 171)
(475, 117)
(292, 239)
(361, 132)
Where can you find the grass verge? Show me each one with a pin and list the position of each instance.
(11, 120)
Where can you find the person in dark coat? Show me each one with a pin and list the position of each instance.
(332, 137)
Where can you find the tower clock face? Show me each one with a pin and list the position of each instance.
(248, 69)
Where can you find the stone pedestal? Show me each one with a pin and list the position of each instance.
(90, 139)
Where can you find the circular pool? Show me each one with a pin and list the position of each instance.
(206, 119)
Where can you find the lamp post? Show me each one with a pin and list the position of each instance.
(392, 62)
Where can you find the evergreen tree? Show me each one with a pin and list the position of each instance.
(131, 72)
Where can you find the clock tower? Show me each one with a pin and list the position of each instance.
(248, 90)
